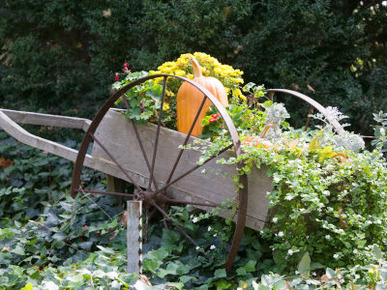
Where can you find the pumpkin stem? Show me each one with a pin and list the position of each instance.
(197, 71)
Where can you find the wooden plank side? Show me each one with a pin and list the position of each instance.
(211, 183)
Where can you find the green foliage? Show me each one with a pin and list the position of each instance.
(77, 243)
(144, 100)
(331, 49)
(372, 276)
(380, 131)
(322, 191)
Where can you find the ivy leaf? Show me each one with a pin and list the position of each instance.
(220, 273)
(304, 265)
(330, 273)
(177, 268)
(18, 250)
(377, 252)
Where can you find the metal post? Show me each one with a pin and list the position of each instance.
(134, 236)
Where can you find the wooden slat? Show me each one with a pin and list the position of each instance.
(26, 137)
(23, 117)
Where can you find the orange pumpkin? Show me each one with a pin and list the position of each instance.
(189, 99)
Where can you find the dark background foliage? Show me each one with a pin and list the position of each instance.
(60, 56)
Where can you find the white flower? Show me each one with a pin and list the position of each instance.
(197, 248)
(296, 272)
(214, 235)
(275, 220)
(116, 284)
(336, 256)
(255, 285)
(288, 197)
(268, 192)
(212, 247)
(327, 237)
(204, 171)
(281, 234)
(50, 285)
(290, 252)
(355, 251)
(314, 274)
(195, 220)
(209, 228)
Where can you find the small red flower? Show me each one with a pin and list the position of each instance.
(214, 118)
(117, 78)
(125, 68)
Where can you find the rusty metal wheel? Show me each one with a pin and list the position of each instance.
(155, 160)
(313, 104)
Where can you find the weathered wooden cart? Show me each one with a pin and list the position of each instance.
(155, 161)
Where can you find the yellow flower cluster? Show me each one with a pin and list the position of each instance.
(231, 78)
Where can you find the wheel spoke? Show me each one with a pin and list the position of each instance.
(151, 177)
(169, 183)
(125, 101)
(186, 141)
(115, 161)
(92, 191)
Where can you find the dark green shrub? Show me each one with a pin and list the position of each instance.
(62, 55)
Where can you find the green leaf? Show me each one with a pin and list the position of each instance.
(160, 254)
(27, 287)
(5, 234)
(222, 284)
(18, 250)
(152, 265)
(177, 268)
(220, 273)
(304, 264)
(250, 266)
(186, 278)
(377, 252)
(383, 274)
(280, 285)
(106, 250)
(330, 273)
(241, 271)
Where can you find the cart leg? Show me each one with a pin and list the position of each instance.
(134, 236)
(114, 184)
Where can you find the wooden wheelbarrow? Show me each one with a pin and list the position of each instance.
(155, 160)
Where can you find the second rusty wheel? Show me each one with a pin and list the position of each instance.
(156, 160)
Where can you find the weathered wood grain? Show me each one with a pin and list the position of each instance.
(23, 117)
